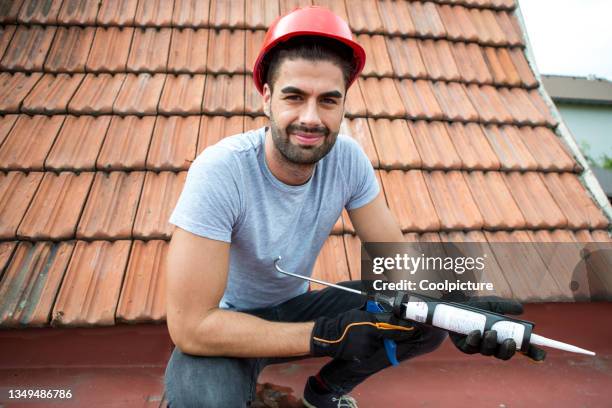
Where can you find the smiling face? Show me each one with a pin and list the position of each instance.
(305, 108)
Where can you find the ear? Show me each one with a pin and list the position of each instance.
(267, 97)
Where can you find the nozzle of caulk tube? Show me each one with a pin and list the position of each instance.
(543, 341)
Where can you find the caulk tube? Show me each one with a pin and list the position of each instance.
(461, 318)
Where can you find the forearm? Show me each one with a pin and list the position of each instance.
(236, 334)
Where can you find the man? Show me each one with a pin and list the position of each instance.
(277, 191)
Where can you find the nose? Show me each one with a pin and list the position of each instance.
(309, 116)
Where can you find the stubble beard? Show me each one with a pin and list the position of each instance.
(303, 155)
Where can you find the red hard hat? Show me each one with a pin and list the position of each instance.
(308, 21)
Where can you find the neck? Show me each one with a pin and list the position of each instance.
(293, 174)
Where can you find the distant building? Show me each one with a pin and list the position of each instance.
(586, 106)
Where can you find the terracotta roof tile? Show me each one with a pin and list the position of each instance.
(509, 147)
(126, 144)
(453, 200)
(338, 227)
(535, 201)
(508, 24)
(31, 283)
(6, 34)
(363, 16)
(454, 101)
(478, 246)
(489, 103)
(182, 94)
(489, 31)
(434, 145)
(16, 192)
(394, 143)
(381, 97)
(419, 99)
(405, 57)
(191, 13)
(110, 49)
(249, 124)
(56, 207)
(253, 102)
(592, 236)
(224, 94)
(82, 12)
(96, 94)
(522, 66)
(352, 245)
(143, 295)
(377, 61)
(354, 103)
(458, 22)
(28, 48)
(226, 51)
(409, 199)
(426, 19)
(254, 40)
(154, 13)
(9, 11)
(574, 201)
(472, 146)
(88, 295)
(159, 196)
(39, 12)
(139, 94)
(28, 143)
(6, 124)
(174, 143)
(359, 130)
(396, 17)
(111, 206)
(439, 60)
(261, 13)
(6, 252)
(518, 103)
(215, 128)
(78, 143)
(331, 264)
(70, 49)
(149, 50)
(188, 50)
(547, 149)
(14, 88)
(498, 208)
(346, 221)
(501, 66)
(337, 6)
(52, 93)
(538, 102)
(117, 12)
(227, 13)
(471, 63)
(529, 279)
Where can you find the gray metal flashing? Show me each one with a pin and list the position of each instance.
(587, 177)
(580, 90)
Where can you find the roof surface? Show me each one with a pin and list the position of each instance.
(105, 104)
(578, 89)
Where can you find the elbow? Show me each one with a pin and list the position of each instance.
(188, 338)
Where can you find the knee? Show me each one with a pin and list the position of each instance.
(194, 381)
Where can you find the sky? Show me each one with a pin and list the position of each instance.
(570, 37)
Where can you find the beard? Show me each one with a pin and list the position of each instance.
(301, 154)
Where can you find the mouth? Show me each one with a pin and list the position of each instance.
(308, 138)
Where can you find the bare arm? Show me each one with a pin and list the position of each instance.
(197, 270)
(374, 222)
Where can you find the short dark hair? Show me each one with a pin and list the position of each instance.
(311, 49)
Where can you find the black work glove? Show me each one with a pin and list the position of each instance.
(354, 334)
(487, 344)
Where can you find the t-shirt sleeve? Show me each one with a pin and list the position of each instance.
(209, 205)
(362, 184)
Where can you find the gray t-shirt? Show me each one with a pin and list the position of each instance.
(230, 195)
